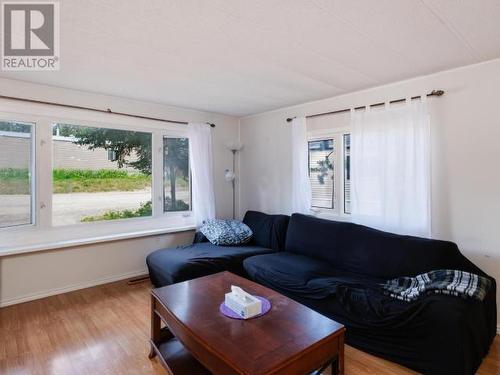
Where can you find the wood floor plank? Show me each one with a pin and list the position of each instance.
(105, 330)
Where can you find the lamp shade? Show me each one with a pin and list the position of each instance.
(234, 146)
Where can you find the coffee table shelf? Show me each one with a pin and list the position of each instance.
(174, 356)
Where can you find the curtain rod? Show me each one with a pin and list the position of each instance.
(98, 110)
(432, 93)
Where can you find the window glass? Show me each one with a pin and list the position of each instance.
(321, 172)
(176, 175)
(347, 173)
(16, 202)
(100, 174)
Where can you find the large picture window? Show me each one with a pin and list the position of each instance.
(100, 174)
(77, 178)
(176, 175)
(16, 174)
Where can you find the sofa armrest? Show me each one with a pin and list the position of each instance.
(199, 237)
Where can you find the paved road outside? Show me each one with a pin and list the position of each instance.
(70, 208)
(14, 210)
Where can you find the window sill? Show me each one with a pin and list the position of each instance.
(324, 214)
(60, 244)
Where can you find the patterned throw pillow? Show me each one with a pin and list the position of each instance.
(226, 232)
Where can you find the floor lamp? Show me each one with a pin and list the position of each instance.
(230, 176)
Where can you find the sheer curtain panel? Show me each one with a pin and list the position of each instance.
(301, 186)
(201, 164)
(390, 175)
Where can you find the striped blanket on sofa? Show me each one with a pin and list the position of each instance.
(451, 282)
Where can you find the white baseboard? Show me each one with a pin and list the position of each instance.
(70, 288)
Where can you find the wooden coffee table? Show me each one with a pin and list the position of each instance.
(195, 338)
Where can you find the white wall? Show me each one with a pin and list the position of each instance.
(34, 275)
(465, 155)
(30, 275)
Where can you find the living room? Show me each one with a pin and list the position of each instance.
(321, 155)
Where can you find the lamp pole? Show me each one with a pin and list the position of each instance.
(234, 183)
(231, 175)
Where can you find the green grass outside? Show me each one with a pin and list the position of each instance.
(72, 174)
(16, 181)
(87, 181)
(14, 173)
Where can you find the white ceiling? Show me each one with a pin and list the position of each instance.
(242, 57)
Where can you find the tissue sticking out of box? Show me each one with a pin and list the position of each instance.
(243, 303)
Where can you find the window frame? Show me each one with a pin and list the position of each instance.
(334, 163)
(337, 134)
(41, 234)
(344, 212)
(185, 213)
(32, 173)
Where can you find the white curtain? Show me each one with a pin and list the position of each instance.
(390, 168)
(301, 186)
(200, 160)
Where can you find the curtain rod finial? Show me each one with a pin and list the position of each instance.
(290, 119)
(212, 125)
(437, 92)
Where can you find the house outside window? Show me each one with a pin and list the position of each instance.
(329, 172)
(322, 173)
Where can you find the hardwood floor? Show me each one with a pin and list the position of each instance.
(105, 330)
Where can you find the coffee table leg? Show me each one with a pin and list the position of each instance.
(155, 329)
(333, 364)
(340, 358)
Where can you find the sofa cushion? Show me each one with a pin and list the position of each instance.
(168, 266)
(359, 249)
(226, 232)
(268, 230)
(300, 274)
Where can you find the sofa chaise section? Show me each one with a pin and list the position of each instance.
(169, 266)
(201, 258)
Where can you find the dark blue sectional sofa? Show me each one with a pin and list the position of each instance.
(336, 268)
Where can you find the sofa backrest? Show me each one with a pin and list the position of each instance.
(356, 248)
(269, 231)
